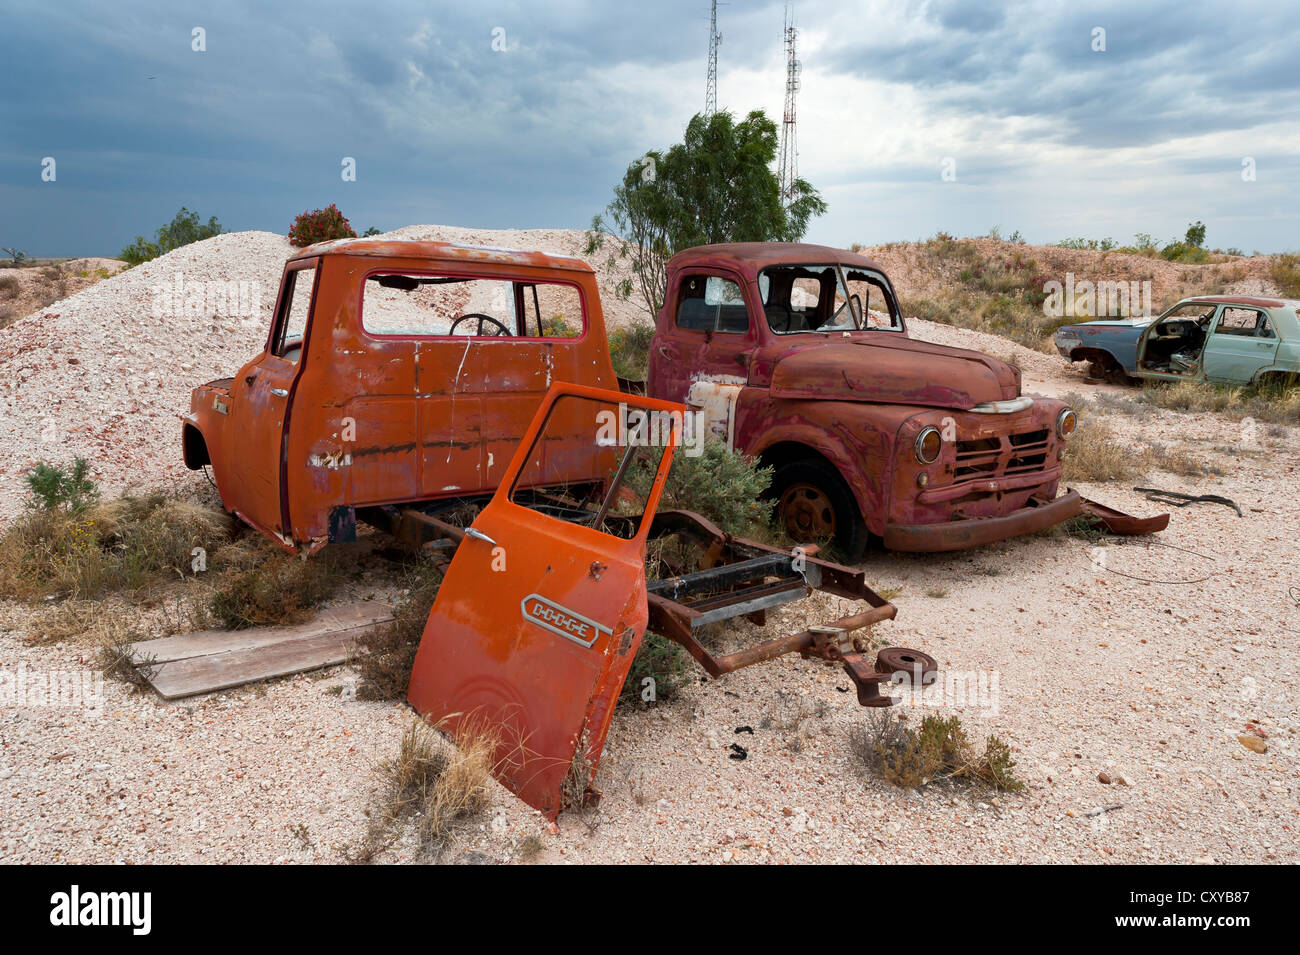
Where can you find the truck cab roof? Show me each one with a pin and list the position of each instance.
(441, 252)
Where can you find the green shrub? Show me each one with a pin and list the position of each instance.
(54, 488)
(320, 226)
(662, 660)
(181, 231)
(724, 486)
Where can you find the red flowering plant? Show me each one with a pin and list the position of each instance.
(320, 226)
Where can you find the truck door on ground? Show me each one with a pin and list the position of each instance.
(260, 397)
(544, 605)
(1243, 342)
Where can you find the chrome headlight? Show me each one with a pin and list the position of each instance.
(928, 445)
(1065, 423)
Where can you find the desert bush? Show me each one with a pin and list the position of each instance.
(9, 286)
(51, 487)
(938, 749)
(85, 549)
(629, 350)
(257, 584)
(1285, 272)
(184, 229)
(384, 655)
(663, 661)
(320, 225)
(723, 485)
(1276, 403)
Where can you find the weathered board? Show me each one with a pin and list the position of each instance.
(213, 660)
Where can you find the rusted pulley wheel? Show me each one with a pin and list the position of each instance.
(903, 660)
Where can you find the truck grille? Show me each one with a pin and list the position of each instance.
(1002, 455)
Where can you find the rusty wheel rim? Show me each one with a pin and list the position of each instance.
(807, 513)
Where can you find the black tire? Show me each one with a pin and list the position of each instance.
(814, 504)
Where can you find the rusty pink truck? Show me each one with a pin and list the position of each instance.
(798, 354)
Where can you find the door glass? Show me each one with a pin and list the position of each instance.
(712, 303)
(1239, 321)
(293, 326)
(594, 462)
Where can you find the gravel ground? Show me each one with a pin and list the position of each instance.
(1096, 661)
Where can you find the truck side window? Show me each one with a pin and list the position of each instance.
(292, 326)
(711, 303)
(417, 304)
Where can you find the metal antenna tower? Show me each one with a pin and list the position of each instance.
(711, 90)
(789, 151)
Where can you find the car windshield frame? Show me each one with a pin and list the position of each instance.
(833, 323)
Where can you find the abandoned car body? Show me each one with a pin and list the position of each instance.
(393, 372)
(798, 354)
(1226, 339)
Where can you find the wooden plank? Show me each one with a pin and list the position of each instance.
(221, 671)
(205, 642)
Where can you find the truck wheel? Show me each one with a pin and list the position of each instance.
(814, 505)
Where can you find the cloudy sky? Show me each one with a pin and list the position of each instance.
(1045, 134)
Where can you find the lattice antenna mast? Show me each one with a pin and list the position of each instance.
(715, 38)
(789, 150)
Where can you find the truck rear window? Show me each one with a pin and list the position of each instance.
(420, 304)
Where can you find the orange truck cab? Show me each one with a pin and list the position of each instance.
(393, 373)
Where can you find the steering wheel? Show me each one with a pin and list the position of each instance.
(481, 319)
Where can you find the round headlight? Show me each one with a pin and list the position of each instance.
(928, 444)
(1065, 424)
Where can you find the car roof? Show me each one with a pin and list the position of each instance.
(1251, 300)
(750, 256)
(449, 252)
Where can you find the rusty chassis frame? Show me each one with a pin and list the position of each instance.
(737, 578)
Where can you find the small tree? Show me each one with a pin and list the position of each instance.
(320, 226)
(1195, 234)
(182, 230)
(716, 185)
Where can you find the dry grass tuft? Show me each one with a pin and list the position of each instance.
(1276, 404)
(434, 785)
(384, 656)
(122, 544)
(1093, 453)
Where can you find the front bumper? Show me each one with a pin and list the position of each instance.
(956, 535)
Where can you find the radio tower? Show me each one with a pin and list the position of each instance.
(789, 151)
(711, 90)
